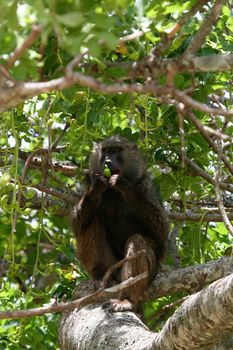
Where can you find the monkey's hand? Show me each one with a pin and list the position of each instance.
(119, 183)
(114, 179)
(99, 184)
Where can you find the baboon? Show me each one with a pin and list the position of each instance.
(119, 215)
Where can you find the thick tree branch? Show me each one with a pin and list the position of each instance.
(179, 280)
(207, 313)
(20, 91)
(204, 319)
(188, 278)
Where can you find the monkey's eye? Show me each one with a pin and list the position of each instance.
(119, 159)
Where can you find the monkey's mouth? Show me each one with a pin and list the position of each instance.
(116, 172)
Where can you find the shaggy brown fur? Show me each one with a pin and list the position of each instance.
(118, 216)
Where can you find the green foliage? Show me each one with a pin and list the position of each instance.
(38, 261)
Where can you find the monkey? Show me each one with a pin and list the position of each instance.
(119, 215)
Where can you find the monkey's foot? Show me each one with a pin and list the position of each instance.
(117, 305)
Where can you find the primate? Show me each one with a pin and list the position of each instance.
(119, 215)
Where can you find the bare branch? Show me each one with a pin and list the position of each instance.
(58, 139)
(205, 28)
(164, 284)
(219, 193)
(167, 38)
(68, 198)
(18, 92)
(217, 133)
(99, 295)
(36, 29)
(202, 130)
(188, 278)
(63, 167)
(197, 217)
(206, 176)
(133, 36)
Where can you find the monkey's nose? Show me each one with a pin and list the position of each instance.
(107, 162)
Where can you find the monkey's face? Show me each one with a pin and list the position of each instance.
(112, 158)
(119, 157)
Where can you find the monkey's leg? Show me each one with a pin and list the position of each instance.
(135, 267)
(94, 251)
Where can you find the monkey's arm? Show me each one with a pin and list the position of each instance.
(86, 208)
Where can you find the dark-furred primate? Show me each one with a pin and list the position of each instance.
(119, 215)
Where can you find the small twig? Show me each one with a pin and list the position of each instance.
(173, 246)
(119, 264)
(167, 38)
(74, 63)
(180, 111)
(202, 130)
(188, 101)
(217, 133)
(58, 139)
(156, 315)
(205, 28)
(53, 192)
(130, 37)
(5, 73)
(36, 29)
(24, 174)
(219, 195)
(206, 176)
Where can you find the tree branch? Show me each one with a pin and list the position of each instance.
(167, 38)
(206, 176)
(202, 130)
(164, 284)
(209, 310)
(204, 319)
(205, 28)
(12, 95)
(196, 217)
(36, 30)
(99, 296)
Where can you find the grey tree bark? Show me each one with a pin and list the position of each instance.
(203, 321)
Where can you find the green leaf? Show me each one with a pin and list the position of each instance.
(71, 19)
